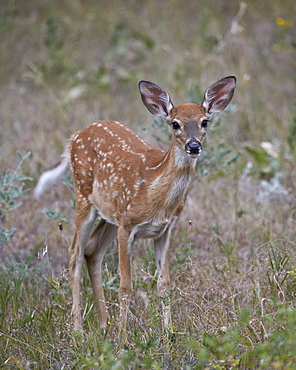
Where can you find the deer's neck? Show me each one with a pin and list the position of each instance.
(170, 176)
(172, 163)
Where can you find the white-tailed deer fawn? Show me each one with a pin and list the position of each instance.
(136, 190)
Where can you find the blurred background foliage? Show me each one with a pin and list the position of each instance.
(65, 64)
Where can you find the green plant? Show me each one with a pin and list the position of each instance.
(278, 351)
(280, 275)
(11, 190)
(292, 134)
(52, 214)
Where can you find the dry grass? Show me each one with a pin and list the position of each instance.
(238, 252)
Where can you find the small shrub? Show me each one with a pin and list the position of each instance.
(11, 191)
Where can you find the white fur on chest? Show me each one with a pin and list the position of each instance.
(178, 189)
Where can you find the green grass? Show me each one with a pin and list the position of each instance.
(66, 64)
(219, 321)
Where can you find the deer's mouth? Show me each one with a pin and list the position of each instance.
(193, 156)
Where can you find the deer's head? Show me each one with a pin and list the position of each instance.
(188, 121)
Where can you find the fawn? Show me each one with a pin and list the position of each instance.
(137, 191)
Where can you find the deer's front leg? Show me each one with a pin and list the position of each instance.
(125, 290)
(161, 246)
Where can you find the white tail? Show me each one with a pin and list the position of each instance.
(138, 191)
(51, 177)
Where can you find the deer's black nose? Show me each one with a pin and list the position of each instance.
(193, 147)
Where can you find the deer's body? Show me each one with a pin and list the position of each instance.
(136, 175)
(138, 191)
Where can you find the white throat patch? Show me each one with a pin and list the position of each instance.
(183, 159)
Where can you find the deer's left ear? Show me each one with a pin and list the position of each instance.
(219, 95)
(156, 99)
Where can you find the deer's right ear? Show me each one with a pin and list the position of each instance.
(156, 99)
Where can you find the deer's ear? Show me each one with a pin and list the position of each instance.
(156, 99)
(219, 95)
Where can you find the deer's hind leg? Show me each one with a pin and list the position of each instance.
(85, 217)
(100, 239)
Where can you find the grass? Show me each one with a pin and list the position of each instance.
(233, 262)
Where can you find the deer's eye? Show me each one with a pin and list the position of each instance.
(204, 123)
(175, 125)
